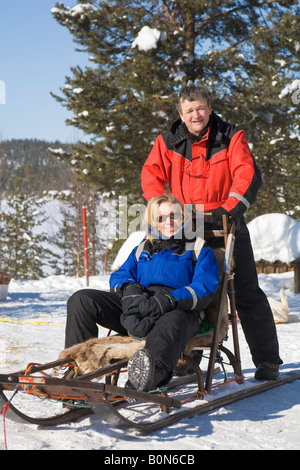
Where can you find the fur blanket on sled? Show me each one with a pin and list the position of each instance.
(97, 353)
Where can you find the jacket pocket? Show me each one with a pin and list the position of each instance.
(218, 158)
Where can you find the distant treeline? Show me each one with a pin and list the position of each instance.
(29, 160)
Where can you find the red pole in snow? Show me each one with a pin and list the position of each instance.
(86, 262)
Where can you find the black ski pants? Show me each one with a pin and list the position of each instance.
(251, 302)
(166, 341)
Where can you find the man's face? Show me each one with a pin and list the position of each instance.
(195, 115)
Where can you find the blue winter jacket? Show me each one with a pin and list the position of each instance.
(191, 282)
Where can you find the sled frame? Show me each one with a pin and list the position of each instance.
(226, 289)
(96, 397)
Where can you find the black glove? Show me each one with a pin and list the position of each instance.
(153, 306)
(142, 314)
(217, 215)
(130, 292)
(156, 305)
(136, 325)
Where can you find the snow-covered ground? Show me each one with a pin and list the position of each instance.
(32, 330)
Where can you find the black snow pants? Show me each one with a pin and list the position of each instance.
(166, 341)
(251, 302)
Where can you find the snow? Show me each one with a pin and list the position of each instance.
(57, 151)
(133, 240)
(33, 317)
(275, 237)
(178, 76)
(82, 8)
(290, 88)
(147, 39)
(79, 9)
(83, 113)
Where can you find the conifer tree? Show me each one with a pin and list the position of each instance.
(143, 52)
(264, 107)
(70, 236)
(21, 243)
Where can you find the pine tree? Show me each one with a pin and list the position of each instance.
(22, 252)
(127, 96)
(267, 113)
(70, 237)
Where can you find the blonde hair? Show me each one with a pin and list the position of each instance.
(152, 211)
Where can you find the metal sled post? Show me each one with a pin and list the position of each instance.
(229, 239)
(233, 319)
(231, 296)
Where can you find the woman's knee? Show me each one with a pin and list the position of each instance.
(186, 321)
(74, 300)
(80, 303)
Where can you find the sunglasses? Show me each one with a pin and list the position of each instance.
(172, 215)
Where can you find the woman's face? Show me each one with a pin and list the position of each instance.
(169, 219)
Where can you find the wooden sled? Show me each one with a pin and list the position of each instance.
(78, 392)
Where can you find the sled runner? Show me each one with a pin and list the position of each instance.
(81, 397)
(79, 389)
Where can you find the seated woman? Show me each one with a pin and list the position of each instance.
(158, 295)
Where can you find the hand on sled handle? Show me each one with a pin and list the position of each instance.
(217, 215)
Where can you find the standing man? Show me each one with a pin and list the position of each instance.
(207, 162)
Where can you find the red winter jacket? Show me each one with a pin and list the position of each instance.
(217, 170)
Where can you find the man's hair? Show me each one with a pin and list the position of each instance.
(192, 93)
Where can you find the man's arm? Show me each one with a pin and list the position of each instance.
(156, 171)
(246, 178)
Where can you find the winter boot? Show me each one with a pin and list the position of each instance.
(267, 371)
(185, 369)
(145, 373)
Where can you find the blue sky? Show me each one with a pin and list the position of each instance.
(36, 53)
